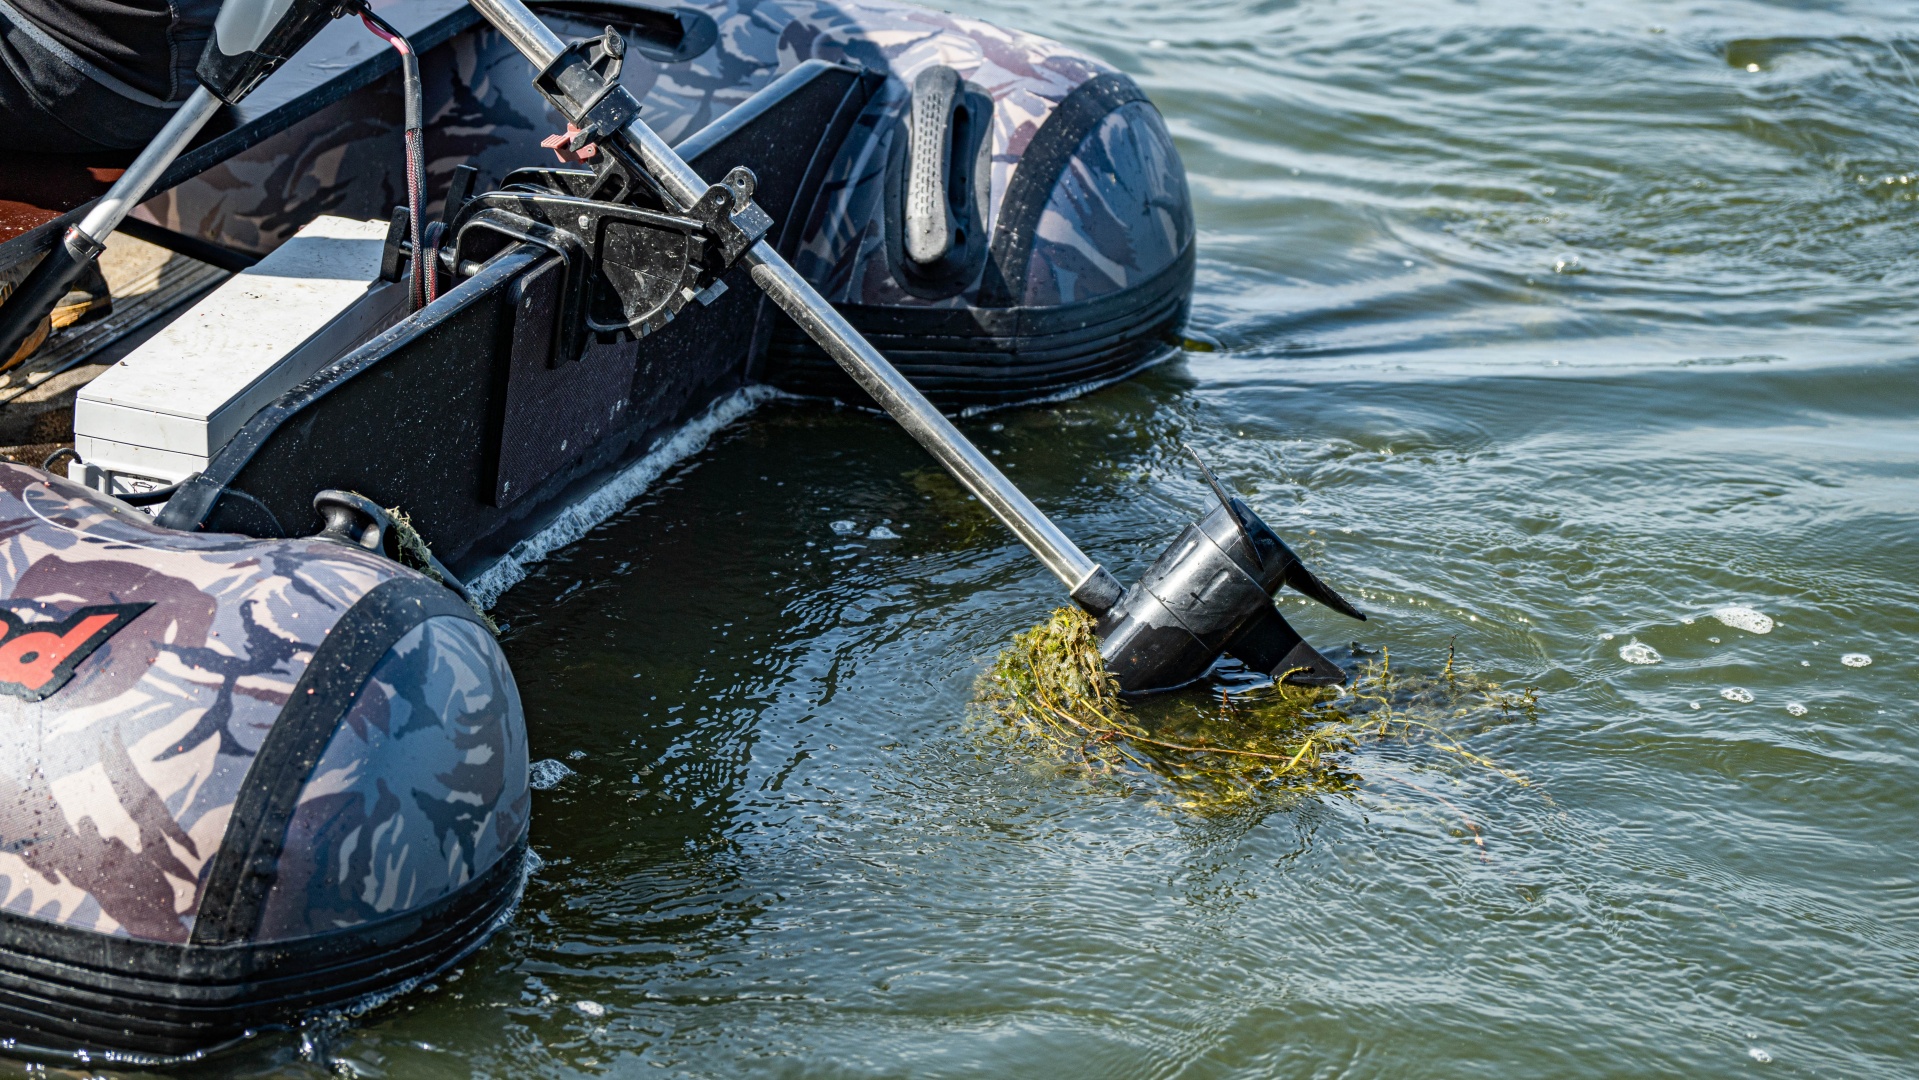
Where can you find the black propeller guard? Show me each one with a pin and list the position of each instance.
(1210, 593)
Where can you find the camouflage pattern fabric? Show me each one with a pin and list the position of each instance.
(423, 787)
(482, 110)
(117, 788)
(1120, 214)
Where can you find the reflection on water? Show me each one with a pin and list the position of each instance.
(1555, 332)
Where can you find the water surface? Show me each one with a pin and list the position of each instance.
(1550, 329)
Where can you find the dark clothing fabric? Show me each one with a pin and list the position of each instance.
(151, 45)
(95, 75)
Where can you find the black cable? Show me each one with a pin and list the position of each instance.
(424, 283)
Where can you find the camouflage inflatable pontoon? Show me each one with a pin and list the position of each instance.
(252, 767)
(240, 780)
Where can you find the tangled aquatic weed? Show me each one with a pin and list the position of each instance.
(411, 550)
(1050, 693)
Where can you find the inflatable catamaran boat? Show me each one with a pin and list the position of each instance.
(253, 767)
(260, 755)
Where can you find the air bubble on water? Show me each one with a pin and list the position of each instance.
(1755, 1053)
(881, 532)
(1795, 709)
(1714, 640)
(1605, 637)
(546, 773)
(1740, 617)
(1687, 621)
(1805, 663)
(843, 527)
(590, 1008)
(1405, 262)
(1568, 264)
(1694, 704)
(576, 755)
(1737, 693)
(1637, 653)
(1156, 43)
(1856, 659)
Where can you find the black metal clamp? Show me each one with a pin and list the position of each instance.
(631, 259)
(583, 83)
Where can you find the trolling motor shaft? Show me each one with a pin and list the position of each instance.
(1210, 593)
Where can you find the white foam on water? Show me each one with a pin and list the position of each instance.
(1740, 617)
(1755, 1053)
(1634, 652)
(611, 497)
(590, 1008)
(1795, 709)
(843, 527)
(881, 532)
(1856, 659)
(546, 773)
(1737, 693)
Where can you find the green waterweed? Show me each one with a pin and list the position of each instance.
(1049, 692)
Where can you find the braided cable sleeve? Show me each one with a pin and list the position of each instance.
(420, 285)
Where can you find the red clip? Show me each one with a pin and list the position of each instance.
(562, 146)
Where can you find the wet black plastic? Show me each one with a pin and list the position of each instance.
(232, 76)
(1211, 594)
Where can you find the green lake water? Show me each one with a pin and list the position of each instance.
(1549, 330)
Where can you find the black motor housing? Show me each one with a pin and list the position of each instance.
(1210, 593)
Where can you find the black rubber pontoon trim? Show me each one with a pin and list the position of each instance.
(64, 989)
(245, 867)
(1003, 284)
(964, 357)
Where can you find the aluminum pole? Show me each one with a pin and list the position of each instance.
(29, 305)
(131, 189)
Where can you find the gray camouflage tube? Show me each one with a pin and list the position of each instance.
(239, 780)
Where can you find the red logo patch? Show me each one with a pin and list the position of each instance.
(37, 658)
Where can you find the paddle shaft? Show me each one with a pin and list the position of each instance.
(1089, 584)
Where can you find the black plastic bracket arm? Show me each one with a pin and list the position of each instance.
(583, 82)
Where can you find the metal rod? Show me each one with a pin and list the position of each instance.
(35, 297)
(903, 401)
(523, 30)
(131, 189)
(875, 374)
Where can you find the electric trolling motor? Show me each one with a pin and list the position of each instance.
(251, 39)
(1209, 594)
